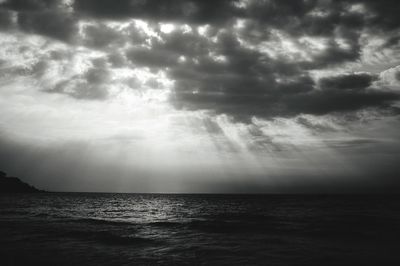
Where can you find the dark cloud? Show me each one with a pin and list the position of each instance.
(151, 58)
(249, 82)
(53, 24)
(385, 14)
(44, 17)
(184, 43)
(352, 143)
(35, 70)
(79, 89)
(324, 102)
(271, 105)
(6, 19)
(39, 69)
(358, 81)
(223, 69)
(295, 16)
(297, 84)
(232, 71)
(116, 59)
(101, 36)
(174, 10)
(334, 55)
(310, 17)
(315, 126)
(90, 85)
(31, 5)
(397, 75)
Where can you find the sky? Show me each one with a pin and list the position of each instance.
(195, 96)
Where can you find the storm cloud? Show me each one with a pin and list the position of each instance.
(222, 56)
(234, 69)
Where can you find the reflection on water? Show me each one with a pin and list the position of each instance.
(126, 229)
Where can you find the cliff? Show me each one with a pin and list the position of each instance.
(14, 185)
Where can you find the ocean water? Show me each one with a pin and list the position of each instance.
(160, 229)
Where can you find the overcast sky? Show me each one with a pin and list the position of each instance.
(201, 96)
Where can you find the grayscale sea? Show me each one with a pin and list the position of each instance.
(198, 229)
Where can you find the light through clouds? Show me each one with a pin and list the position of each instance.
(185, 97)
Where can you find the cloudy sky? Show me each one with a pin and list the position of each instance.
(201, 96)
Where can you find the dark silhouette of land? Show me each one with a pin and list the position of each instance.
(15, 185)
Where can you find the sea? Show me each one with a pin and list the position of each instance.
(198, 229)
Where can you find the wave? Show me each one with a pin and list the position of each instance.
(43, 214)
(110, 238)
(166, 224)
(8, 212)
(213, 226)
(101, 221)
(205, 225)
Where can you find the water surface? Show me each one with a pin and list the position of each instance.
(151, 229)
